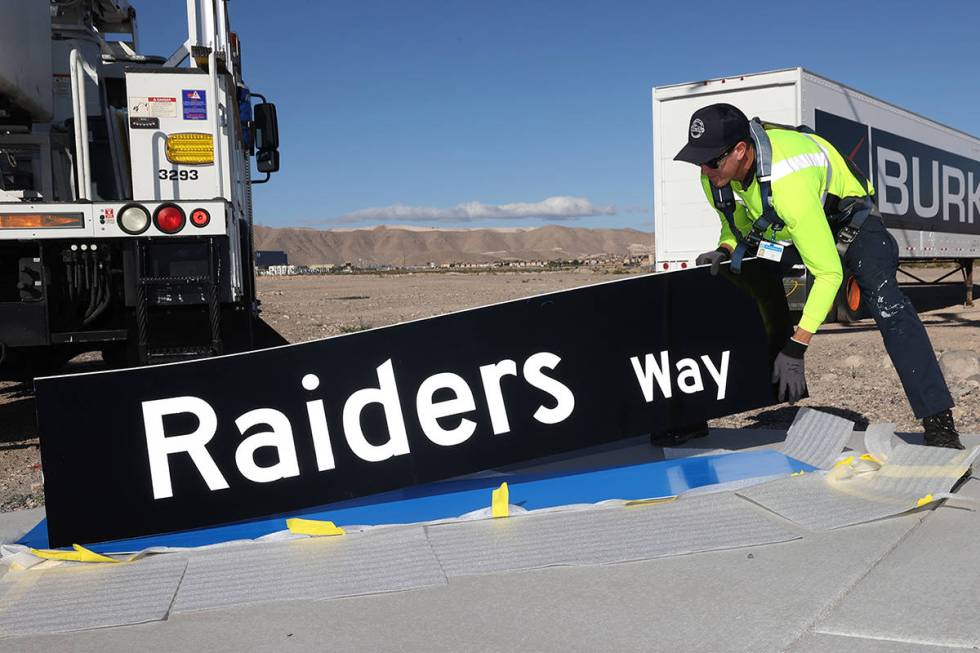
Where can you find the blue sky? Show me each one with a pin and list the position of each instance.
(508, 113)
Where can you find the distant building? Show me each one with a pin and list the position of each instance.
(267, 258)
(284, 270)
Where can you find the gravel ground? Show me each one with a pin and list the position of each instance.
(847, 368)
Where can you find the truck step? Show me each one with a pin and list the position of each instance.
(109, 335)
(174, 354)
(166, 281)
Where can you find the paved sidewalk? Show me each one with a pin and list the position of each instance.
(909, 583)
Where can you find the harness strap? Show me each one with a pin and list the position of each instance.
(857, 212)
(763, 149)
(724, 200)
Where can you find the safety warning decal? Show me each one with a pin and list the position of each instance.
(195, 104)
(153, 107)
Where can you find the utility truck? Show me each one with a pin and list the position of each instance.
(125, 189)
(927, 175)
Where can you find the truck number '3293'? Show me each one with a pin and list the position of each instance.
(174, 175)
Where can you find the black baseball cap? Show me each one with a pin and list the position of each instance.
(712, 130)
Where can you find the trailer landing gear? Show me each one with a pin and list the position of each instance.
(965, 266)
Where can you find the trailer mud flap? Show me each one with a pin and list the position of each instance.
(173, 447)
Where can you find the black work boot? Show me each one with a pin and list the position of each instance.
(941, 432)
(678, 437)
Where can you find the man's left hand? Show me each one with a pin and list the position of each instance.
(789, 372)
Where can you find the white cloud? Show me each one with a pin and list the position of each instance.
(553, 208)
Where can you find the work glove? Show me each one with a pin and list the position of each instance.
(715, 258)
(788, 372)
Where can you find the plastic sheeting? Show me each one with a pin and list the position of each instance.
(595, 537)
(450, 499)
(860, 490)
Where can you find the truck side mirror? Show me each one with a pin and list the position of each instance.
(266, 127)
(267, 160)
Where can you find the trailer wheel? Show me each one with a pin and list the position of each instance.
(849, 306)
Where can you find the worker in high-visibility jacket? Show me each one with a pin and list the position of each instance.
(801, 200)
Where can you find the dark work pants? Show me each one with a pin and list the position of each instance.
(873, 260)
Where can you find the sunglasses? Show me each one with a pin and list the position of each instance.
(715, 162)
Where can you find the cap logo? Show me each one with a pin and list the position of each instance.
(697, 128)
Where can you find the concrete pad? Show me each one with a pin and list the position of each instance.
(927, 590)
(14, 525)
(856, 442)
(820, 643)
(759, 599)
(740, 439)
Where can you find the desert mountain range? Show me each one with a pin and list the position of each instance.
(398, 245)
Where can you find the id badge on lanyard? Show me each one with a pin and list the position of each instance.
(770, 250)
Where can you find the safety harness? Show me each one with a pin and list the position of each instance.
(850, 211)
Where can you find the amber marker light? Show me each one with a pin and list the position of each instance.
(41, 220)
(190, 148)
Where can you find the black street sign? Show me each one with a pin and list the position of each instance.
(172, 447)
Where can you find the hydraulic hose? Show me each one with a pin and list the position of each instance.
(103, 299)
(92, 283)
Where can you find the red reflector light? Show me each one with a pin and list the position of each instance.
(200, 218)
(169, 218)
(666, 266)
(684, 265)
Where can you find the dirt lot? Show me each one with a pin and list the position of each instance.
(847, 368)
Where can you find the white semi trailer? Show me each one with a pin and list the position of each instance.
(927, 175)
(125, 190)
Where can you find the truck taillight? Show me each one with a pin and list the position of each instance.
(200, 218)
(41, 220)
(169, 218)
(134, 219)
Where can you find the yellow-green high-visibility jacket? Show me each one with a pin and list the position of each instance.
(805, 168)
